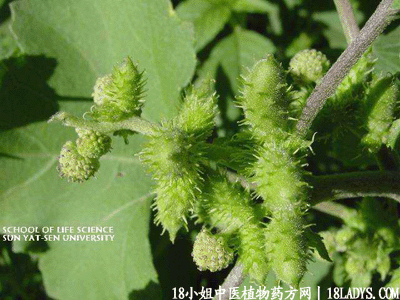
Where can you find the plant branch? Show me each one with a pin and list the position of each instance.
(347, 19)
(385, 184)
(354, 185)
(234, 278)
(134, 123)
(382, 17)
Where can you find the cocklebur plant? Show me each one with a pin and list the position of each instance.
(262, 221)
(187, 185)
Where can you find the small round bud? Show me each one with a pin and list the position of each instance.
(211, 252)
(75, 167)
(92, 144)
(308, 66)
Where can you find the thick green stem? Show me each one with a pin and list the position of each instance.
(381, 18)
(385, 184)
(136, 124)
(347, 19)
(354, 185)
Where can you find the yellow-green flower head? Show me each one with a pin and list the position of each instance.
(308, 66)
(211, 252)
(74, 166)
(92, 144)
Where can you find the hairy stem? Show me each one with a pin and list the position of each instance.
(347, 19)
(355, 184)
(385, 184)
(382, 17)
(234, 278)
(136, 124)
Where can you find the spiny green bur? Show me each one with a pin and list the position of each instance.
(381, 102)
(286, 246)
(263, 97)
(278, 175)
(91, 143)
(340, 113)
(279, 183)
(119, 95)
(74, 166)
(228, 207)
(175, 168)
(276, 172)
(198, 111)
(174, 155)
(211, 252)
(298, 100)
(308, 66)
(351, 89)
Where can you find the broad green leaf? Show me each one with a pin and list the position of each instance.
(316, 242)
(334, 31)
(238, 51)
(7, 42)
(34, 195)
(261, 6)
(80, 41)
(387, 50)
(88, 37)
(208, 18)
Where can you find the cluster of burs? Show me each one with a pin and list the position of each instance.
(260, 222)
